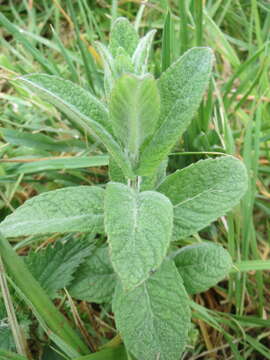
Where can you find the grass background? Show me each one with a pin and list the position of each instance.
(40, 152)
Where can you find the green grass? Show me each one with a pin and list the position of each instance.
(40, 152)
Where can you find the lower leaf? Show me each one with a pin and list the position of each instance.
(154, 318)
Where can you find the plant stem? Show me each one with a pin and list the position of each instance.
(42, 304)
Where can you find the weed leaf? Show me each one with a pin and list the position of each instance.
(78, 208)
(154, 318)
(202, 266)
(134, 110)
(95, 280)
(139, 227)
(181, 88)
(204, 191)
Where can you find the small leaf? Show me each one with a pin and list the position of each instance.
(154, 318)
(204, 191)
(54, 267)
(95, 279)
(81, 107)
(78, 208)
(139, 229)
(202, 266)
(134, 111)
(123, 35)
(141, 55)
(181, 89)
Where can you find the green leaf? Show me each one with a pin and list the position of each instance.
(204, 191)
(81, 107)
(139, 227)
(63, 163)
(134, 110)
(54, 267)
(6, 355)
(95, 279)
(181, 88)
(123, 35)
(70, 209)
(141, 55)
(202, 266)
(154, 318)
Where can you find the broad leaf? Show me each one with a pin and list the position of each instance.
(181, 88)
(134, 109)
(123, 35)
(79, 106)
(202, 266)
(139, 227)
(95, 279)
(154, 318)
(141, 55)
(204, 191)
(70, 209)
(54, 267)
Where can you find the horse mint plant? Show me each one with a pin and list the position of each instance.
(141, 210)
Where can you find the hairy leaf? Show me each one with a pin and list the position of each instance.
(134, 109)
(95, 279)
(78, 208)
(154, 318)
(202, 266)
(204, 191)
(181, 89)
(79, 106)
(123, 35)
(141, 55)
(54, 267)
(139, 229)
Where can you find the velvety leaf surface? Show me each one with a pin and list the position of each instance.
(54, 267)
(123, 35)
(78, 208)
(95, 280)
(139, 227)
(204, 191)
(141, 55)
(154, 318)
(181, 88)
(202, 266)
(81, 107)
(134, 110)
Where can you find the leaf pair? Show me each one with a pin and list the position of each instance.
(134, 131)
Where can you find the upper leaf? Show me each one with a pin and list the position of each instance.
(95, 279)
(54, 267)
(181, 88)
(123, 35)
(204, 191)
(139, 227)
(154, 318)
(81, 107)
(134, 109)
(78, 208)
(202, 266)
(141, 55)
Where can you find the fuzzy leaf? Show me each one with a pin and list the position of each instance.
(204, 191)
(202, 266)
(95, 280)
(78, 208)
(81, 107)
(181, 88)
(154, 318)
(123, 35)
(54, 267)
(141, 55)
(139, 229)
(134, 111)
